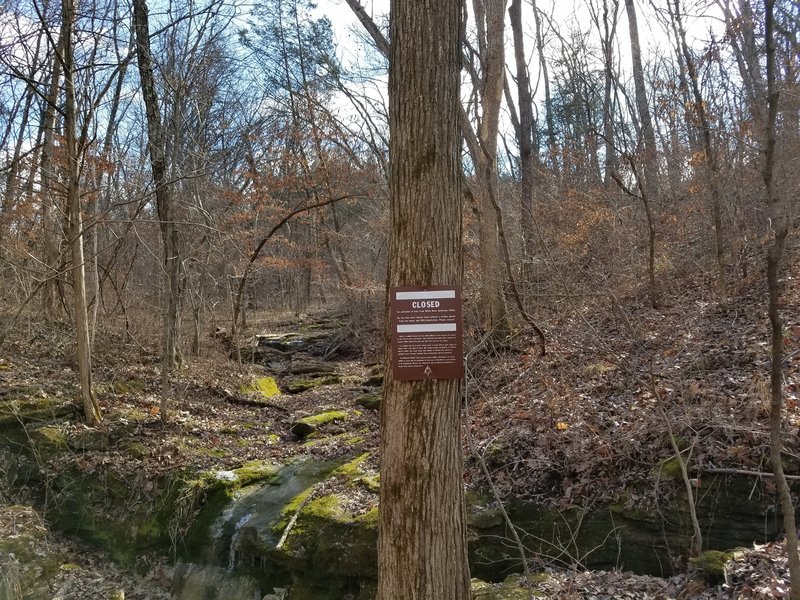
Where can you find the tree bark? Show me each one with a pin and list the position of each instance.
(490, 18)
(91, 408)
(647, 177)
(642, 106)
(164, 202)
(528, 153)
(50, 233)
(710, 158)
(780, 225)
(422, 534)
(552, 145)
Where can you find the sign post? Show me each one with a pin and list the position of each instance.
(427, 333)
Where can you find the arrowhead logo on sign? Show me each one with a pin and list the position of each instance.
(427, 340)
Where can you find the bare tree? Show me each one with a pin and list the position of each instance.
(487, 74)
(164, 202)
(528, 150)
(647, 176)
(91, 408)
(701, 118)
(780, 227)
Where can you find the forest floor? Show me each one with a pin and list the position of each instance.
(579, 425)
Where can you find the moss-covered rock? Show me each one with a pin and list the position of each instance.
(374, 380)
(307, 425)
(26, 404)
(712, 563)
(88, 439)
(327, 543)
(197, 582)
(265, 387)
(48, 440)
(25, 567)
(370, 401)
(301, 385)
(513, 588)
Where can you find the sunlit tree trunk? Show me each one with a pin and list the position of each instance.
(164, 202)
(422, 552)
(91, 408)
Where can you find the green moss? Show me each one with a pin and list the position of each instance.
(370, 401)
(670, 469)
(295, 503)
(26, 564)
(18, 406)
(369, 518)
(307, 426)
(324, 418)
(346, 439)
(48, 440)
(712, 563)
(513, 588)
(327, 543)
(302, 385)
(254, 471)
(374, 380)
(352, 469)
(126, 388)
(371, 482)
(213, 452)
(265, 386)
(595, 369)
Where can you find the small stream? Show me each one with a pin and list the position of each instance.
(228, 568)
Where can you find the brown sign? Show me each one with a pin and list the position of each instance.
(427, 341)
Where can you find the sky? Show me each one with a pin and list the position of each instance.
(564, 12)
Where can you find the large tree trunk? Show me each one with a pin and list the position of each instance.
(422, 551)
(91, 408)
(164, 202)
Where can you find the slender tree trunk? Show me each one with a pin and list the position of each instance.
(164, 202)
(490, 16)
(552, 146)
(710, 158)
(780, 225)
(528, 153)
(642, 106)
(422, 552)
(606, 23)
(51, 230)
(648, 175)
(91, 408)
